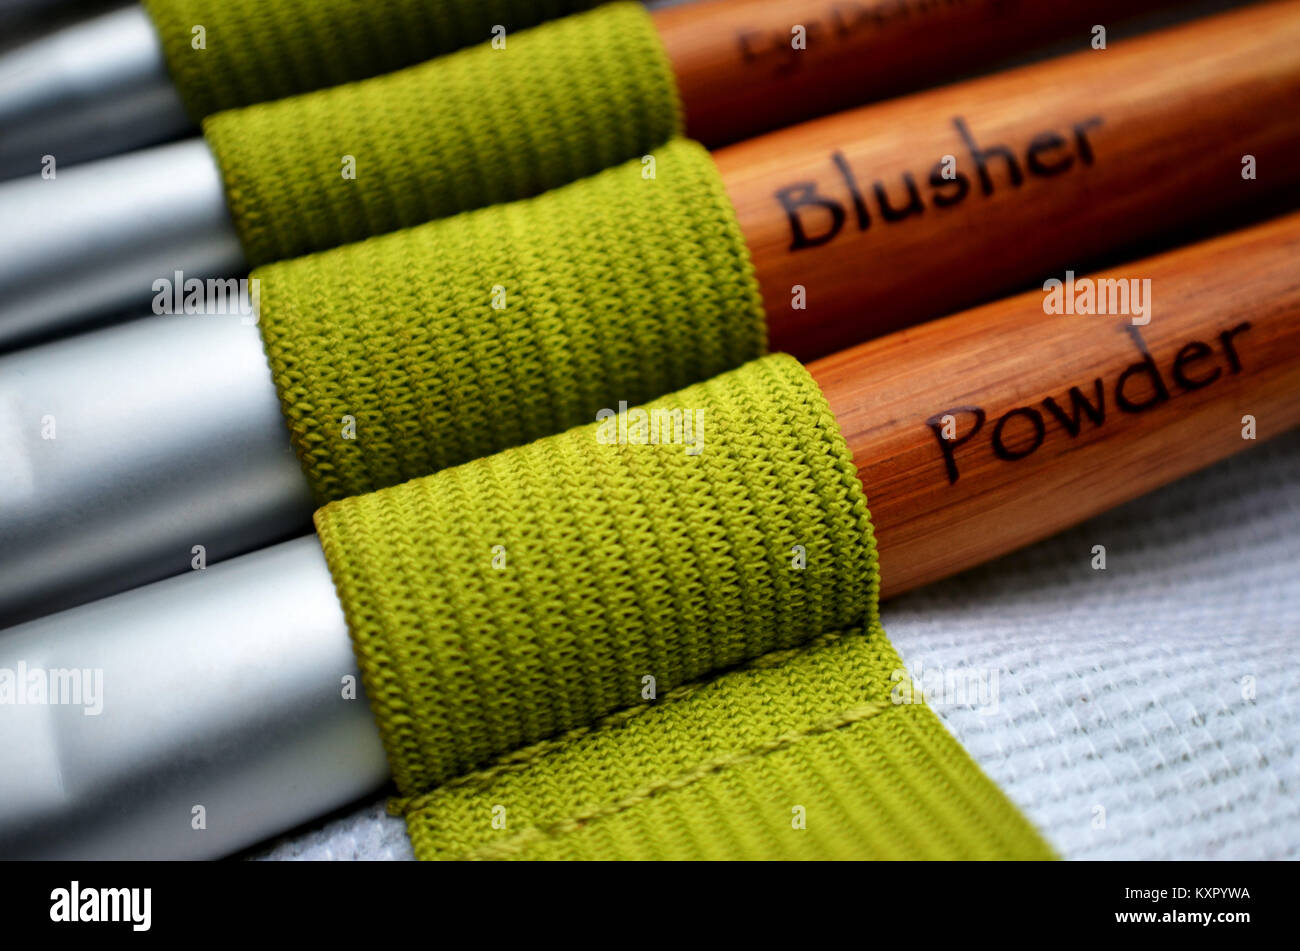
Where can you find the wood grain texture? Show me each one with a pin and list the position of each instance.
(740, 75)
(1011, 358)
(1131, 144)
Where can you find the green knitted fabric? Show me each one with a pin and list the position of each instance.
(616, 287)
(621, 561)
(730, 768)
(258, 50)
(562, 100)
(507, 614)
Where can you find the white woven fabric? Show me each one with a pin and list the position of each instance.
(368, 834)
(1121, 690)
(1147, 711)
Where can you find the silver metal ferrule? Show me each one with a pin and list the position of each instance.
(93, 240)
(88, 90)
(25, 15)
(185, 720)
(125, 450)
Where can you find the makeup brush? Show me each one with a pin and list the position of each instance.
(83, 92)
(144, 73)
(1056, 417)
(283, 179)
(124, 80)
(1052, 167)
(232, 689)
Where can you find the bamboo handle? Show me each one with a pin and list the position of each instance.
(740, 73)
(1081, 157)
(1024, 458)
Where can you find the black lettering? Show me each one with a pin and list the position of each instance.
(1035, 420)
(981, 155)
(859, 203)
(914, 206)
(1225, 338)
(1080, 407)
(1147, 365)
(949, 446)
(747, 51)
(1046, 142)
(799, 195)
(1081, 137)
(1094, 409)
(847, 18)
(792, 59)
(1190, 354)
(882, 13)
(937, 181)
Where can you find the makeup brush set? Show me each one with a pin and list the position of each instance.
(520, 409)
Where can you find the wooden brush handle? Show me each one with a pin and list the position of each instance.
(739, 73)
(1026, 458)
(1081, 156)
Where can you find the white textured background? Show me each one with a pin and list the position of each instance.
(1118, 690)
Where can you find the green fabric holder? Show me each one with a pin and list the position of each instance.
(800, 754)
(507, 616)
(616, 287)
(258, 50)
(477, 127)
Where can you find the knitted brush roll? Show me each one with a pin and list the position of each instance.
(427, 348)
(537, 630)
(257, 50)
(801, 754)
(507, 600)
(481, 126)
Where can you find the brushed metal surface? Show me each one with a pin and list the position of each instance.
(167, 434)
(221, 689)
(85, 91)
(93, 240)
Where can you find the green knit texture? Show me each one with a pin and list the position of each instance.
(502, 602)
(258, 50)
(481, 126)
(616, 287)
(803, 754)
(601, 646)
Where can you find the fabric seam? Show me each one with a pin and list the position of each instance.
(520, 841)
